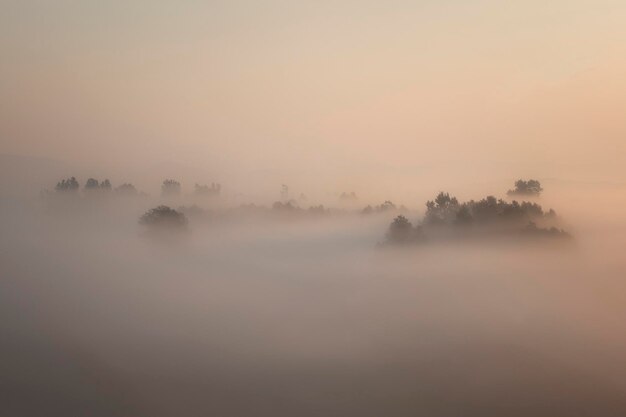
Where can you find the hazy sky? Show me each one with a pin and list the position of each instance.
(348, 92)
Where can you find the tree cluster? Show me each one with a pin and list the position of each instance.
(163, 217)
(126, 189)
(446, 216)
(92, 184)
(170, 188)
(206, 191)
(526, 188)
(381, 208)
(69, 184)
(447, 210)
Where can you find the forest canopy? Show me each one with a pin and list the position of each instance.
(446, 217)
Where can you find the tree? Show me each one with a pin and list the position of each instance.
(69, 184)
(552, 232)
(530, 187)
(381, 208)
(206, 191)
(445, 218)
(126, 189)
(464, 215)
(92, 184)
(387, 205)
(317, 210)
(170, 188)
(164, 217)
(442, 210)
(289, 206)
(400, 230)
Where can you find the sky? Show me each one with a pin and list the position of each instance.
(324, 96)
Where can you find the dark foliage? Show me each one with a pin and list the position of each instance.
(93, 185)
(441, 210)
(386, 206)
(317, 210)
(490, 209)
(526, 188)
(446, 217)
(289, 206)
(401, 231)
(553, 232)
(164, 217)
(69, 184)
(126, 189)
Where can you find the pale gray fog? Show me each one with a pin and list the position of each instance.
(271, 311)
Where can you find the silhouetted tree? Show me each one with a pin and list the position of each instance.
(385, 206)
(164, 217)
(69, 184)
(126, 189)
(401, 231)
(464, 215)
(288, 206)
(317, 210)
(92, 184)
(528, 188)
(489, 209)
(445, 215)
(533, 229)
(170, 188)
(442, 210)
(206, 191)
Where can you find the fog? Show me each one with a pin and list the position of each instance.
(280, 315)
(336, 237)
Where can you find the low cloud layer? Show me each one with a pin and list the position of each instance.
(283, 315)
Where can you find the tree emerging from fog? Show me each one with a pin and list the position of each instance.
(92, 184)
(164, 217)
(170, 188)
(442, 209)
(402, 231)
(526, 188)
(69, 184)
(446, 217)
(206, 191)
(381, 208)
(126, 189)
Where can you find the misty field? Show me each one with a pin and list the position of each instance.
(288, 208)
(282, 315)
